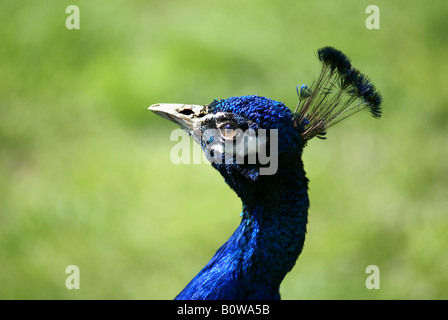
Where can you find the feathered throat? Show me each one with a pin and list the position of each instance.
(339, 92)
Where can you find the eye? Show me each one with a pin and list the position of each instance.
(228, 131)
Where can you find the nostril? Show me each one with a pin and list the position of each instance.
(186, 111)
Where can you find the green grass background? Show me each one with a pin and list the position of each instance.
(85, 173)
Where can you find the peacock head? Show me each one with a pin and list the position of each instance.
(252, 139)
(244, 138)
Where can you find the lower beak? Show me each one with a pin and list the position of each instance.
(184, 115)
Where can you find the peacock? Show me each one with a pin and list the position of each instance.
(237, 134)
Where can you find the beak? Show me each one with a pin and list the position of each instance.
(185, 115)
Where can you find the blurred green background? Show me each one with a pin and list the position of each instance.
(86, 177)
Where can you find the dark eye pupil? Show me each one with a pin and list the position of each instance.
(228, 131)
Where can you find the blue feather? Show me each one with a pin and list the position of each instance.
(271, 235)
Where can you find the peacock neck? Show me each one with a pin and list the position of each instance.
(262, 250)
(264, 247)
(272, 237)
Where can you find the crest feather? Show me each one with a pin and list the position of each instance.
(339, 92)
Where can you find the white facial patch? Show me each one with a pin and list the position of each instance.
(231, 145)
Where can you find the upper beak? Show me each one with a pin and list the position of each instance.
(185, 115)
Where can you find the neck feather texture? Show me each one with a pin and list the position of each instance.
(264, 247)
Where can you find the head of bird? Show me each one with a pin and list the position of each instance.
(250, 140)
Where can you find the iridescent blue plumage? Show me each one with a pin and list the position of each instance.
(254, 261)
(270, 237)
